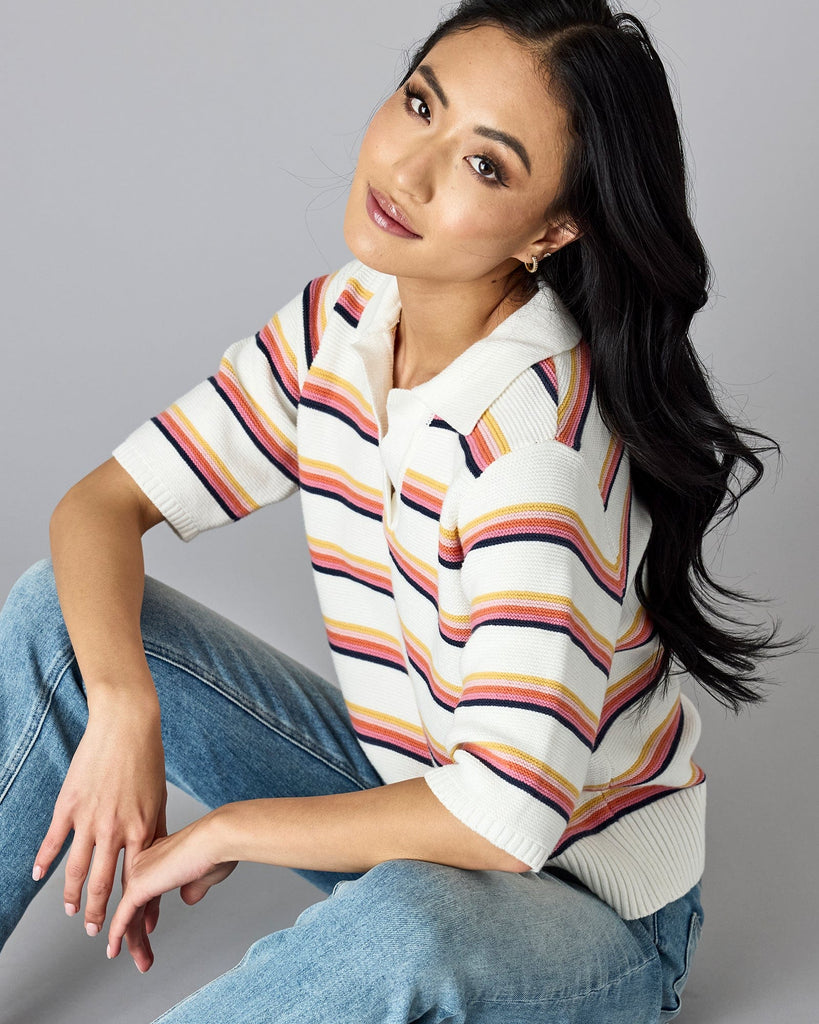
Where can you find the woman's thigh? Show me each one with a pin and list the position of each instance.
(240, 720)
(417, 941)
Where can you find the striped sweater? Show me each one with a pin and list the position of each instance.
(479, 599)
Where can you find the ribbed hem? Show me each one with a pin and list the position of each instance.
(130, 456)
(638, 864)
(647, 858)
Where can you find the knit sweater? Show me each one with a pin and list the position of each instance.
(475, 570)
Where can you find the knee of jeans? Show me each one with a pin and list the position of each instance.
(31, 621)
(403, 903)
(32, 590)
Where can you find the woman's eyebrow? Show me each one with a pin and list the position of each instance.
(495, 134)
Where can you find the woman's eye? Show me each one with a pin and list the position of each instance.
(484, 168)
(419, 106)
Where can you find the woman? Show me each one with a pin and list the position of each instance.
(507, 455)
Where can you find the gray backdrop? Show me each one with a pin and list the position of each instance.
(171, 174)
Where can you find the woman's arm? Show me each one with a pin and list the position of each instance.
(349, 832)
(114, 793)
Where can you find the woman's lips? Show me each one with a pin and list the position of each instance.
(387, 215)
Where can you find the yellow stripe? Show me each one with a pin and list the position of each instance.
(497, 515)
(532, 597)
(647, 751)
(550, 685)
(443, 684)
(326, 545)
(330, 469)
(285, 441)
(433, 485)
(203, 446)
(354, 627)
(513, 753)
(609, 459)
(496, 433)
(282, 337)
(359, 289)
(343, 384)
(381, 716)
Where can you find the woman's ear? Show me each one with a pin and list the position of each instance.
(552, 239)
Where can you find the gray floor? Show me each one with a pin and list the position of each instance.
(755, 963)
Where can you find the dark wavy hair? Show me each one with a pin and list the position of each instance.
(633, 280)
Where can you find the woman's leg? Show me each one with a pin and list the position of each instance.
(423, 942)
(239, 719)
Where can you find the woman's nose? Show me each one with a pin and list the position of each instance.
(414, 173)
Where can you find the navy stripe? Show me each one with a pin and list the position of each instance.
(525, 705)
(311, 403)
(415, 585)
(583, 417)
(344, 501)
(192, 465)
(551, 628)
(350, 576)
(265, 451)
(448, 639)
(447, 564)
(471, 464)
(604, 728)
(425, 677)
(276, 375)
(346, 314)
(520, 784)
(360, 656)
(563, 542)
(441, 424)
(672, 751)
(420, 508)
(613, 480)
(306, 306)
(377, 742)
(652, 798)
(546, 381)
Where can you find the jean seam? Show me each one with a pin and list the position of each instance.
(565, 998)
(217, 685)
(37, 719)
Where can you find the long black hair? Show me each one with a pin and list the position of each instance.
(633, 280)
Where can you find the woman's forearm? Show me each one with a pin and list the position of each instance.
(353, 831)
(96, 545)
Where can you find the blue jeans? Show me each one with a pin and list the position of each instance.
(405, 941)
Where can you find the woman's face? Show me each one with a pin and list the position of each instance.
(468, 154)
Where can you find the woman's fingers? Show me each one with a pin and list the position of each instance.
(52, 844)
(152, 915)
(128, 923)
(76, 868)
(100, 886)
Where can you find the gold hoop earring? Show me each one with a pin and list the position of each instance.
(535, 261)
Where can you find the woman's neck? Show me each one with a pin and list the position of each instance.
(440, 321)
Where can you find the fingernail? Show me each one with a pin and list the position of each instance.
(140, 969)
(37, 873)
(108, 952)
(70, 909)
(92, 929)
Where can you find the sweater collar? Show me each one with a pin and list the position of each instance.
(462, 392)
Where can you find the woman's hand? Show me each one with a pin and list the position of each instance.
(186, 860)
(113, 797)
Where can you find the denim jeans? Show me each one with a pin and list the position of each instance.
(405, 941)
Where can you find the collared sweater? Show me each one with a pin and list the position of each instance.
(475, 561)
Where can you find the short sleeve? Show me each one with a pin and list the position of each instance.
(229, 446)
(542, 577)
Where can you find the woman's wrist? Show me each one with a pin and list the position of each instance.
(220, 827)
